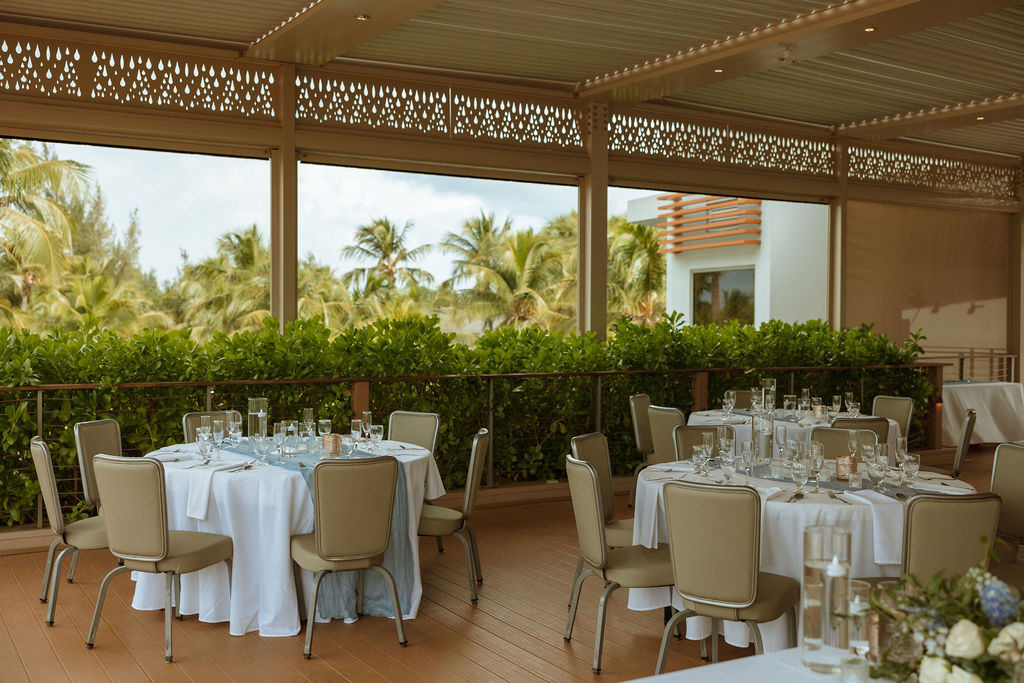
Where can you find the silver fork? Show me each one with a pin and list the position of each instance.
(833, 496)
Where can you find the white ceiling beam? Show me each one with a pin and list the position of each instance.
(819, 33)
(326, 29)
(1003, 108)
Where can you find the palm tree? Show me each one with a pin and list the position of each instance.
(636, 271)
(35, 232)
(478, 244)
(322, 294)
(383, 243)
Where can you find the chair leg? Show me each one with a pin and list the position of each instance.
(311, 613)
(469, 566)
(670, 626)
(74, 563)
(476, 554)
(99, 603)
(359, 592)
(168, 614)
(177, 597)
(297, 579)
(48, 568)
(574, 602)
(51, 609)
(579, 569)
(755, 630)
(395, 604)
(602, 609)
(792, 626)
(440, 545)
(704, 650)
(714, 640)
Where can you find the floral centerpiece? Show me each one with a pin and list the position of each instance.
(962, 629)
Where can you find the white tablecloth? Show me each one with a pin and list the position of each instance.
(261, 509)
(800, 432)
(1000, 407)
(782, 526)
(778, 667)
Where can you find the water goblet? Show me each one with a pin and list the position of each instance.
(853, 408)
(376, 436)
(291, 439)
(831, 413)
(728, 468)
(911, 466)
(235, 431)
(803, 405)
(780, 437)
(323, 427)
(367, 417)
(876, 473)
(815, 404)
(729, 402)
(697, 456)
(848, 395)
(205, 424)
(348, 445)
(858, 609)
(261, 447)
(867, 452)
(356, 428)
(279, 434)
(837, 403)
(747, 455)
(852, 442)
(799, 471)
(218, 437)
(726, 447)
(901, 448)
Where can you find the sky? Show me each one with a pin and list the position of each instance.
(185, 201)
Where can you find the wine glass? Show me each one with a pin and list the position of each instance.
(853, 408)
(261, 447)
(205, 424)
(799, 470)
(858, 607)
(707, 439)
(699, 456)
(817, 455)
(876, 472)
(911, 466)
(367, 423)
(356, 428)
(747, 455)
(235, 431)
(279, 434)
(848, 395)
(323, 427)
(852, 442)
(780, 437)
(218, 437)
(729, 402)
(376, 436)
(348, 445)
(728, 467)
(837, 403)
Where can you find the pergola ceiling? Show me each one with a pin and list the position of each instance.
(927, 71)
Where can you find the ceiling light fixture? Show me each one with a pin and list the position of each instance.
(718, 71)
(362, 17)
(980, 118)
(869, 29)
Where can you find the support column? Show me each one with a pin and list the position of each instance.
(1015, 294)
(837, 215)
(592, 283)
(284, 210)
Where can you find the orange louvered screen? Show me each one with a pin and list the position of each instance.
(691, 222)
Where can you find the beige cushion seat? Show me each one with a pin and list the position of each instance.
(775, 595)
(87, 533)
(639, 567)
(1008, 482)
(437, 520)
(619, 533)
(305, 555)
(187, 551)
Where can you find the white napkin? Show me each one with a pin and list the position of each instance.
(887, 524)
(735, 420)
(389, 447)
(182, 451)
(940, 483)
(676, 466)
(199, 485)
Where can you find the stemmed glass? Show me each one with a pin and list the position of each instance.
(817, 455)
(728, 466)
(788, 404)
(261, 447)
(876, 472)
(852, 442)
(848, 395)
(837, 403)
(235, 431)
(707, 439)
(858, 608)
(911, 466)
(747, 456)
(356, 428)
(729, 402)
(279, 434)
(376, 436)
(700, 459)
(780, 438)
(323, 427)
(755, 400)
(367, 422)
(800, 469)
(218, 437)
(853, 408)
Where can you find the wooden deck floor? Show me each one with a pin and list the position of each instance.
(514, 633)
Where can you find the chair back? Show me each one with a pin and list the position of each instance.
(638, 405)
(352, 505)
(1008, 482)
(47, 483)
(593, 449)
(965, 441)
(685, 437)
(415, 428)
(714, 537)
(879, 425)
(91, 439)
(944, 533)
(134, 498)
(477, 458)
(587, 509)
(834, 441)
(896, 408)
(743, 399)
(190, 421)
(662, 422)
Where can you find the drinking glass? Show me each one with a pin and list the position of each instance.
(291, 439)
(769, 402)
(853, 408)
(804, 405)
(261, 447)
(747, 455)
(876, 473)
(357, 430)
(235, 431)
(205, 424)
(800, 470)
(805, 393)
(279, 434)
(755, 401)
(837, 403)
(729, 402)
(901, 449)
(831, 413)
(852, 442)
(848, 395)
(707, 439)
(307, 415)
(376, 436)
(728, 468)
(205, 441)
(218, 437)
(867, 453)
(815, 404)
(726, 447)
(780, 437)
(348, 445)
(788, 404)
(323, 427)
(367, 423)
(911, 466)
(882, 453)
(699, 458)
(858, 609)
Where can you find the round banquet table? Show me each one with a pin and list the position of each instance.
(261, 509)
(874, 520)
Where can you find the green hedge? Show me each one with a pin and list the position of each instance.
(534, 418)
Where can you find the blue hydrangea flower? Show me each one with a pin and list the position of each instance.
(998, 602)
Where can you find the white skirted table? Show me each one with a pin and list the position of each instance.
(261, 509)
(1000, 407)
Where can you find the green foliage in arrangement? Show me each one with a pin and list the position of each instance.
(533, 417)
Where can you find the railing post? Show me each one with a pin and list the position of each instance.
(933, 423)
(700, 390)
(490, 430)
(360, 397)
(597, 403)
(209, 397)
(792, 381)
(39, 413)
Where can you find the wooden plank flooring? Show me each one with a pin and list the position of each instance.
(514, 633)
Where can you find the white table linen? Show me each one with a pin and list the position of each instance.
(784, 666)
(1000, 407)
(261, 509)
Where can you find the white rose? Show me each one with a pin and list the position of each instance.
(1009, 644)
(933, 670)
(959, 675)
(965, 640)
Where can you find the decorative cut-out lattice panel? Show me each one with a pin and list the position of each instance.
(65, 70)
(706, 142)
(507, 119)
(337, 100)
(960, 176)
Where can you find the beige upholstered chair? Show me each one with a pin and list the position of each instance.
(879, 425)
(964, 445)
(438, 521)
(85, 534)
(834, 441)
(722, 580)
(415, 428)
(1008, 483)
(685, 437)
(632, 567)
(135, 502)
(352, 505)
(897, 408)
(662, 422)
(638, 405)
(190, 421)
(944, 532)
(91, 439)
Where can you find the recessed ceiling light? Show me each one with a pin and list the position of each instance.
(869, 29)
(362, 17)
(718, 71)
(980, 118)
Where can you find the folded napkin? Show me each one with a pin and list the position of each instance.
(940, 483)
(182, 451)
(676, 466)
(199, 485)
(735, 420)
(389, 447)
(886, 524)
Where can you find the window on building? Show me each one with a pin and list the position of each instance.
(723, 295)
